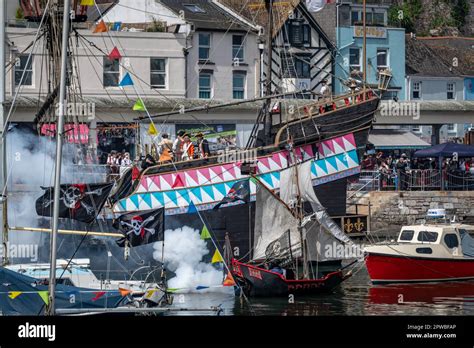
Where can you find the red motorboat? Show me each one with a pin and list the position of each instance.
(423, 253)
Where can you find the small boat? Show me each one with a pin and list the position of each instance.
(291, 245)
(424, 253)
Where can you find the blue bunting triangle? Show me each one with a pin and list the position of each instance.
(126, 81)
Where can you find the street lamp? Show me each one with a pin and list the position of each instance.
(385, 76)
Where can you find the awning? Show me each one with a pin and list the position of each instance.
(447, 150)
(389, 139)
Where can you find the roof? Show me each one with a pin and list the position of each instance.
(434, 56)
(385, 139)
(212, 16)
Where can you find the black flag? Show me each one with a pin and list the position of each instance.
(81, 202)
(141, 228)
(240, 191)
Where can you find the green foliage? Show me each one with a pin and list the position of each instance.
(156, 26)
(19, 13)
(459, 12)
(409, 10)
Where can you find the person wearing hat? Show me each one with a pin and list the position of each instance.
(203, 146)
(166, 148)
(178, 146)
(325, 89)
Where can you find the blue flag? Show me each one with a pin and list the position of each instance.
(192, 208)
(126, 81)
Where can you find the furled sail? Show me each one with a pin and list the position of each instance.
(276, 229)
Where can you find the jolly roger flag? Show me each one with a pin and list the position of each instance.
(240, 191)
(141, 228)
(81, 202)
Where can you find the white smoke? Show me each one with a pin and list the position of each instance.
(184, 250)
(30, 165)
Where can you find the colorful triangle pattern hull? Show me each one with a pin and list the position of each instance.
(331, 160)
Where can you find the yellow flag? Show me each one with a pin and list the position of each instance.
(44, 296)
(152, 129)
(87, 2)
(14, 294)
(217, 257)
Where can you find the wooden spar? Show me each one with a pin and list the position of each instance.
(364, 79)
(73, 232)
(211, 107)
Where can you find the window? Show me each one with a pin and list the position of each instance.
(427, 236)
(204, 46)
(205, 88)
(355, 18)
(111, 72)
(20, 67)
(296, 67)
(238, 85)
(158, 73)
(354, 59)
(452, 128)
(424, 250)
(451, 240)
(416, 93)
(238, 48)
(372, 18)
(193, 8)
(416, 129)
(379, 19)
(382, 58)
(450, 90)
(299, 33)
(407, 235)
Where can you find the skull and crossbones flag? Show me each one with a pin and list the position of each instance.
(141, 228)
(240, 191)
(81, 202)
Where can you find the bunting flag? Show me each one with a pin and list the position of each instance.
(139, 106)
(115, 55)
(172, 289)
(126, 81)
(229, 280)
(44, 296)
(124, 292)
(178, 182)
(81, 202)
(200, 287)
(217, 257)
(14, 294)
(100, 28)
(192, 208)
(87, 2)
(205, 233)
(141, 228)
(117, 26)
(98, 295)
(152, 129)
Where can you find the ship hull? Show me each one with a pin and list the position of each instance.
(259, 282)
(405, 269)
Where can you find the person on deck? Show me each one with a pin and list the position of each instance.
(178, 145)
(325, 90)
(203, 146)
(166, 148)
(187, 149)
(148, 162)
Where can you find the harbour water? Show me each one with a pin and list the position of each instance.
(356, 296)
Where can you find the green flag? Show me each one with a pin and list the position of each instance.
(44, 296)
(205, 233)
(139, 106)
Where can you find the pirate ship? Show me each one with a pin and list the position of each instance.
(331, 133)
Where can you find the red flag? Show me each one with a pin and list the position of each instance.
(229, 280)
(135, 173)
(178, 182)
(98, 295)
(115, 54)
(100, 28)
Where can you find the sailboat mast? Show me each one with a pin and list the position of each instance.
(59, 149)
(3, 129)
(364, 46)
(268, 81)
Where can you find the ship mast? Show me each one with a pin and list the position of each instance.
(364, 47)
(3, 130)
(59, 145)
(268, 82)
